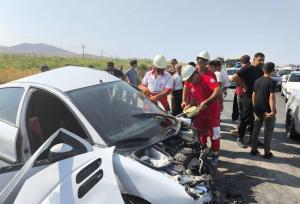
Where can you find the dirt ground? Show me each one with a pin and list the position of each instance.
(254, 179)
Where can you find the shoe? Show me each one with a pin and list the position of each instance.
(234, 132)
(254, 153)
(260, 144)
(268, 156)
(214, 160)
(241, 143)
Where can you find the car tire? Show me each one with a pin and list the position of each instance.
(290, 127)
(131, 199)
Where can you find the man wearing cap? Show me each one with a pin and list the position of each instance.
(204, 93)
(157, 82)
(202, 67)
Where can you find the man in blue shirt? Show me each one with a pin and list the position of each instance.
(131, 74)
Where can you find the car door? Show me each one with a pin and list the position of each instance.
(10, 103)
(83, 175)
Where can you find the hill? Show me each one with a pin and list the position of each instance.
(39, 49)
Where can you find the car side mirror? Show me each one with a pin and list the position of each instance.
(61, 151)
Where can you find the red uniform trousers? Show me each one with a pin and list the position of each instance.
(206, 124)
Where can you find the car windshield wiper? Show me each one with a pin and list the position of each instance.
(149, 115)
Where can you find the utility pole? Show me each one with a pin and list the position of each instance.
(83, 46)
(101, 53)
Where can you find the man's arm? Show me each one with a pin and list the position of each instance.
(214, 96)
(184, 94)
(239, 81)
(272, 102)
(143, 87)
(219, 78)
(161, 95)
(253, 98)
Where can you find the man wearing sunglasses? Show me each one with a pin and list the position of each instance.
(245, 78)
(204, 93)
(158, 83)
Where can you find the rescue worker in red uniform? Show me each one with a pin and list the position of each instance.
(204, 93)
(157, 83)
(203, 68)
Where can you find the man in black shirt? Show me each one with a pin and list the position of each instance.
(113, 71)
(264, 104)
(245, 78)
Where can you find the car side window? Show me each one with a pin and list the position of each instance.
(9, 103)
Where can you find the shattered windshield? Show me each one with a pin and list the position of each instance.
(112, 109)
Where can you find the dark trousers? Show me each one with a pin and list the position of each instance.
(240, 105)
(235, 109)
(177, 94)
(269, 128)
(247, 117)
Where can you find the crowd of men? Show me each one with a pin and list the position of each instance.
(203, 85)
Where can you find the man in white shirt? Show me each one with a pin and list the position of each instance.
(177, 90)
(216, 66)
(157, 83)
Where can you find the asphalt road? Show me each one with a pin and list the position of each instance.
(254, 179)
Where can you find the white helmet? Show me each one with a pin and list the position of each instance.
(159, 61)
(204, 55)
(187, 72)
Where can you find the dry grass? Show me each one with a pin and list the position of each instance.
(13, 67)
(10, 74)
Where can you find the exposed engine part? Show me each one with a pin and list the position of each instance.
(183, 159)
(200, 190)
(153, 157)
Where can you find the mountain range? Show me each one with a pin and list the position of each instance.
(39, 49)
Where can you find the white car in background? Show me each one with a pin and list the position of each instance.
(283, 72)
(292, 123)
(231, 71)
(291, 81)
(78, 135)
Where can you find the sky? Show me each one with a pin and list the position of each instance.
(142, 28)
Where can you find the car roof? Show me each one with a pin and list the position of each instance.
(69, 78)
(295, 72)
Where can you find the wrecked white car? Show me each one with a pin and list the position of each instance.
(292, 122)
(78, 135)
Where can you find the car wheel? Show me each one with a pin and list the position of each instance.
(290, 127)
(131, 199)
